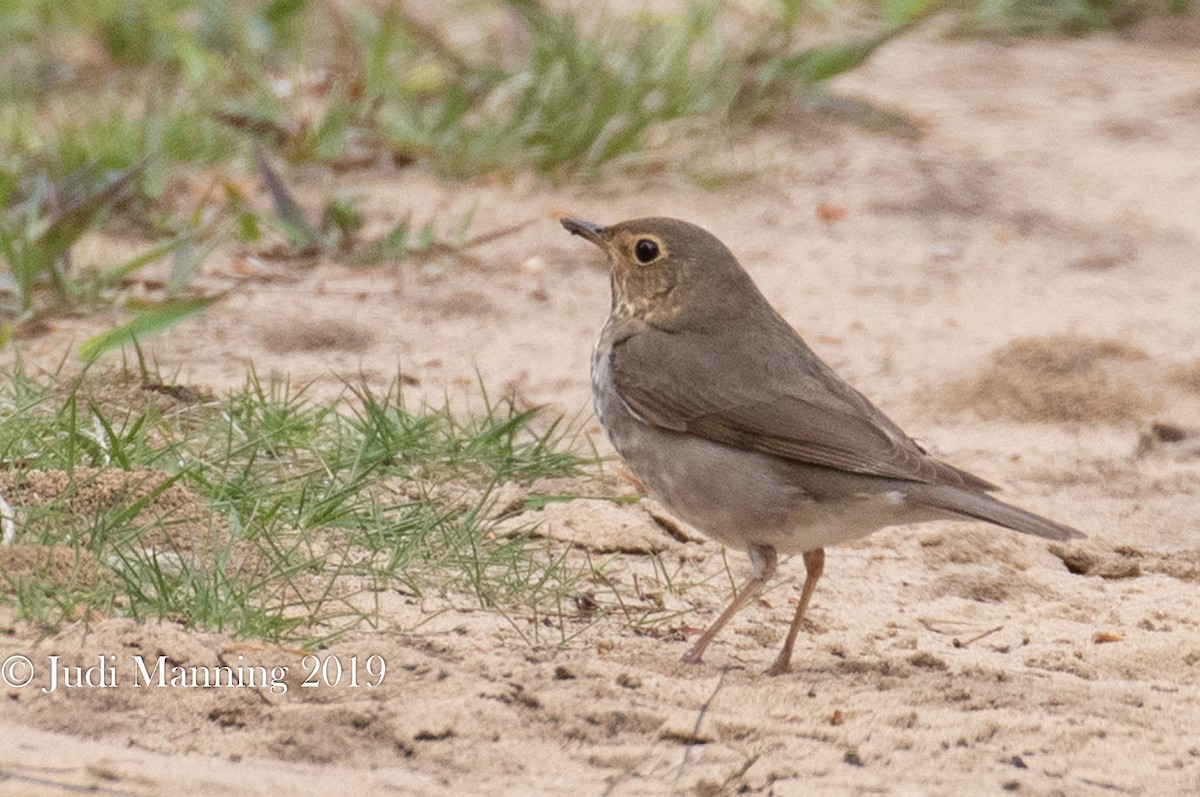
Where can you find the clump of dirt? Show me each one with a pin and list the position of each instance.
(169, 518)
(1125, 561)
(461, 304)
(57, 565)
(117, 389)
(1096, 560)
(1066, 354)
(1057, 379)
(299, 335)
(1186, 376)
(1169, 440)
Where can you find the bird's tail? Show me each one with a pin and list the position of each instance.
(981, 506)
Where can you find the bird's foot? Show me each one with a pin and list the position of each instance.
(782, 665)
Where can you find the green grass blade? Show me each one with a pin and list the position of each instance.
(150, 321)
(818, 64)
(114, 275)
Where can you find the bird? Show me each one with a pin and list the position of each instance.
(727, 417)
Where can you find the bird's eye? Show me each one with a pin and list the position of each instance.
(645, 250)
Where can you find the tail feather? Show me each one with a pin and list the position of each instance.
(981, 506)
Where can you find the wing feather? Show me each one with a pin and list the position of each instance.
(721, 387)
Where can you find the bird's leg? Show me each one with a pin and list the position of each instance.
(762, 560)
(814, 564)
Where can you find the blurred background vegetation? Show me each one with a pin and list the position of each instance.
(159, 119)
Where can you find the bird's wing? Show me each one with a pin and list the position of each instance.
(793, 406)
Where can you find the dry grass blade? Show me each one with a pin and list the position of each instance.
(286, 206)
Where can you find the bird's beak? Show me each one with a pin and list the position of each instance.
(585, 229)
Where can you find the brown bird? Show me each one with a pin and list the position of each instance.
(730, 419)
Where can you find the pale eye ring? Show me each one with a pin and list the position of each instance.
(645, 250)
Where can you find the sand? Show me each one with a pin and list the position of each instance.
(1018, 288)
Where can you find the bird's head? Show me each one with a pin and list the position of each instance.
(664, 268)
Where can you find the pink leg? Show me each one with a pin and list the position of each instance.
(814, 563)
(762, 559)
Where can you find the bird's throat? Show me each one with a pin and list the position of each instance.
(655, 304)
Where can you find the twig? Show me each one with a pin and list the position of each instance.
(687, 753)
(978, 637)
(488, 237)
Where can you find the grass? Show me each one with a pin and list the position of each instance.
(533, 89)
(263, 514)
(1059, 17)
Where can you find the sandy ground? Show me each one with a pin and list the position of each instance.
(1052, 200)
